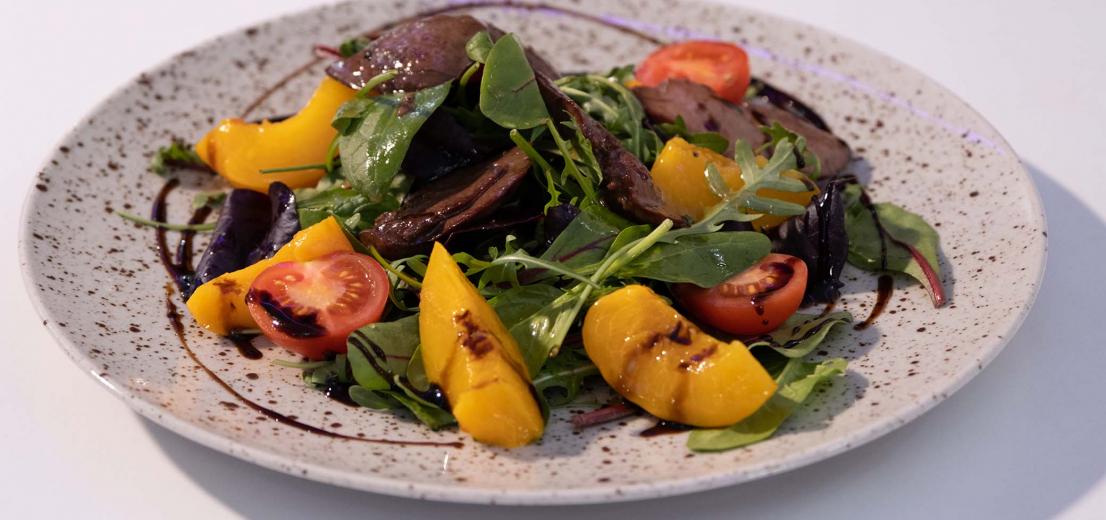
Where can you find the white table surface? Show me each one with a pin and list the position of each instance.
(1025, 439)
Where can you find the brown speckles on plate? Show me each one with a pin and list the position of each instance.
(923, 149)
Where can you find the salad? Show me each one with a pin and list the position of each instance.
(453, 230)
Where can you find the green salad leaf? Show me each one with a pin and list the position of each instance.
(705, 260)
(609, 101)
(801, 333)
(509, 91)
(353, 46)
(350, 206)
(534, 314)
(562, 378)
(583, 242)
(479, 46)
(797, 381)
(907, 244)
(803, 155)
(209, 199)
(710, 140)
(375, 132)
(381, 357)
(177, 155)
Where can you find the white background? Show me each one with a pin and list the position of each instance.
(1026, 439)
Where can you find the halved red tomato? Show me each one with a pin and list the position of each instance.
(724, 67)
(754, 301)
(311, 307)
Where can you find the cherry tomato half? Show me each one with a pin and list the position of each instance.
(311, 307)
(723, 67)
(754, 301)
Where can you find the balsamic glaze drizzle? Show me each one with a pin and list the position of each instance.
(664, 428)
(886, 287)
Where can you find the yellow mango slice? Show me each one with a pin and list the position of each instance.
(469, 353)
(662, 362)
(679, 175)
(237, 150)
(220, 304)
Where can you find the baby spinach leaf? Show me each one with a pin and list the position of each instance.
(391, 343)
(479, 46)
(375, 132)
(509, 91)
(583, 242)
(371, 399)
(705, 260)
(535, 315)
(801, 333)
(907, 244)
(430, 415)
(364, 372)
(416, 371)
(797, 381)
(380, 355)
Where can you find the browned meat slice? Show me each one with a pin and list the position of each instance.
(427, 51)
(833, 153)
(446, 204)
(701, 110)
(627, 186)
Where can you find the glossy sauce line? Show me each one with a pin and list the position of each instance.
(178, 327)
(886, 287)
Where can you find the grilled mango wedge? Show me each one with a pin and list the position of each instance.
(469, 353)
(662, 362)
(238, 150)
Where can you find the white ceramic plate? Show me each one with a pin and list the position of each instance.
(99, 287)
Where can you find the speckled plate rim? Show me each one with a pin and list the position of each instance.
(596, 494)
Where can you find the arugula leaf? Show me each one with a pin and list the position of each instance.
(800, 334)
(177, 155)
(509, 91)
(797, 381)
(745, 205)
(803, 155)
(711, 140)
(911, 245)
(607, 100)
(705, 260)
(375, 132)
(561, 379)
